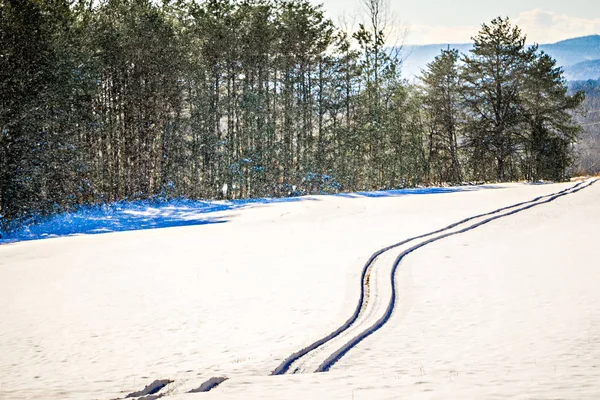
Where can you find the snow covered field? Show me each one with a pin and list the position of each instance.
(509, 309)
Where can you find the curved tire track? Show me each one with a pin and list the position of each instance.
(367, 295)
(336, 356)
(297, 357)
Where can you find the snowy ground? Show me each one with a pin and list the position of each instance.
(510, 309)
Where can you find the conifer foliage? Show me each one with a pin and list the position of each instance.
(501, 112)
(127, 99)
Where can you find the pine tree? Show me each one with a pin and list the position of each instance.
(549, 126)
(138, 60)
(381, 86)
(493, 76)
(124, 99)
(40, 109)
(441, 99)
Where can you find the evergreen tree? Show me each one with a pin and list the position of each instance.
(138, 60)
(549, 126)
(40, 99)
(493, 76)
(380, 115)
(127, 99)
(441, 100)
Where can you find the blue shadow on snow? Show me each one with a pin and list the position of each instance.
(131, 215)
(147, 214)
(415, 191)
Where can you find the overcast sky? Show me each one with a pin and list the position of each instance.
(433, 22)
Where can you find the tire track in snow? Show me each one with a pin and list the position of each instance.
(209, 384)
(369, 299)
(303, 358)
(337, 355)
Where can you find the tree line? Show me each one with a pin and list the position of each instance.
(132, 99)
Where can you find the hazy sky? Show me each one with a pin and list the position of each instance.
(429, 22)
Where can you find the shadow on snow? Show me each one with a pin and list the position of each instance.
(416, 191)
(148, 214)
(132, 215)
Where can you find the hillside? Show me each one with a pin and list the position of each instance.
(415, 58)
(573, 51)
(100, 316)
(588, 143)
(583, 50)
(582, 71)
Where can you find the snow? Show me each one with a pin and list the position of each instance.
(132, 215)
(508, 309)
(150, 214)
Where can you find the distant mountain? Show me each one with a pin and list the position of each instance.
(416, 58)
(568, 53)
(583, 71)
(572, 51)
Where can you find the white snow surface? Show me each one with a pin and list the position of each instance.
(508, 310)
